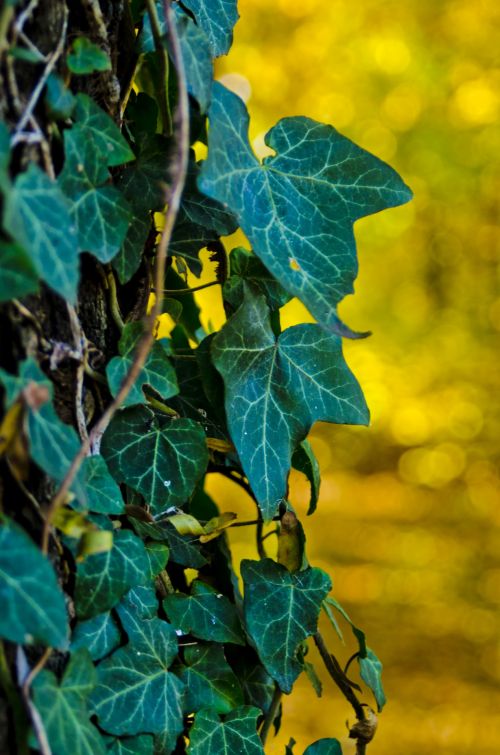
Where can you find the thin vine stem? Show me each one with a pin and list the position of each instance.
(175, 291)
(271, 714)
(160, 48)
(174, 194)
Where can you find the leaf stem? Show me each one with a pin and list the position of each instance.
(175, 291)
(174, 194)
(161, 407)
(271, 714)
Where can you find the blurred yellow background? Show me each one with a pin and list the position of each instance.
(408, 520)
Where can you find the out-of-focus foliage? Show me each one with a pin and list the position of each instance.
(408, 518)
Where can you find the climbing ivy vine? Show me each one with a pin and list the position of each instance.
(124, 625)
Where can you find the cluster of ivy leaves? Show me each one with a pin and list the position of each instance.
(152, 660)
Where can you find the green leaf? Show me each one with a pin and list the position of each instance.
(217, 19)
(5, 155)
(358, 633)
(37, 216)
(101, 129)
(128, 259)
(370, 670)
(258, 686)
(276, 389)
(141, 601)
(136, 692)
(206, 614)
(157, 372)
(103, 578)
(324, 747)
(236, 734)
(18, 274)
(304, 461)
(59, 100)
(33, 606)
(141, 745)
(246, 268)
(101, 213)
(86, 57)
(157, 554)
(143, 182)
(159, 457)
(281, 610)
(99, 635)
(197, 57)
(210, 681)
(102, 494)
(63, 708)
(298, 207)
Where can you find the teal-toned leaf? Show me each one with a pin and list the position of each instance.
(103, 578)
(206, 614)
(304, 461)
(128, 259)
(298, 207)
(237, 733)
(141, 745)
(103, 131)
(281, 610)
(276, 389)
(102, 494)
(33, 607)
(157, 554)
(5, 155)
(157, 372)
(358, 633)
(59, 100)
(99, 635)
(100, 212)
(136, 692)
(63, 708)
(184, 550)
(217, 19)
(143, 182)
(210, 681)
(18, 275)
(258, 686)
(197, 57)
(324, 747)
(370, 670)
(37, 216)
(141, 601)
(87, 57)
(247, 268)
(159, 457)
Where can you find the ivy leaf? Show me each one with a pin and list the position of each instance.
(157, 554)
(370, 669)
(281, 610)
(103, 578)
(18, 274)
(157, 373)
(5, 156)
(99, 635)
(102, 494)
(197, 57)
(143, 182)
(128, 259)
(324, 747)
(258, 686)
(161, 458)
(59, 100)
(276, 389)
(136, 692)
(33, 606)
(237, 733)
(298, 207)
(101, 213)
(304, 461)
(141, 745)
(63, 708)
(217, 19)
(99, 128)
(206, 614)
(37, 216)
(141, 601)
(247, 268)
(86, 57)
(210, 681)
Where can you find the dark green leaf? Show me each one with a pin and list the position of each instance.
(236, 734)
(304, 461)
(128, 259)
(141, 601)
(157, 372)
(157, 554)
(37, 216)
(136, 692)
(4, 157)
(358, 633)
(281, 611)
(247, 268)
(217, 19)
(101, 213)
(143, 183)
(142, 745)
(59, 99)
(101, 129)
(33, 607)
(206, 614)
(161, 458)
(190, 316)
(184, 549)
(276, 389)
(102, 494)
(18, 274)
(258, 686)
(63, 708)
(196, 53)
(86, 57)
(210, 681)
(370, 670)
(99, 635)
(103, 578)
(324, 747)
(298, 207)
